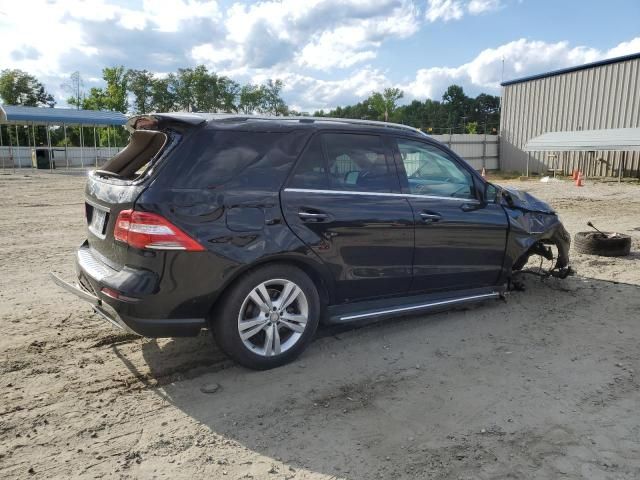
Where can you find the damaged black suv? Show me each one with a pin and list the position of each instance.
(260, 228)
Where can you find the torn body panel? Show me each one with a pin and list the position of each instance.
(533, 224)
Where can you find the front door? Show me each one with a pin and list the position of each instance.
(460, 239)
(343, 200)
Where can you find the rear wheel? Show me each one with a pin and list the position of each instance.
(268, 318)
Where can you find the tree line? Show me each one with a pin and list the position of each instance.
(200, 90)
(455, 113)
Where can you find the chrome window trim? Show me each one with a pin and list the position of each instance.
(380, 194)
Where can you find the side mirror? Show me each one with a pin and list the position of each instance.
(490, 192)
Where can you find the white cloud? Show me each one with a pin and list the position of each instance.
(477, 7)
(320, 34)
(308, 93)
(446, 10)
(521, 58)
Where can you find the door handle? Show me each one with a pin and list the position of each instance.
(430, 217)
(312, 217)
(467, 207)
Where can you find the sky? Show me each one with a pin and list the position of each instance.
(327, 52)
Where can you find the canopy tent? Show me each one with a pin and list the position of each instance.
(615, 139)
(14, 116)
(592, 141)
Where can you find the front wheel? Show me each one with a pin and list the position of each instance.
(268, 318)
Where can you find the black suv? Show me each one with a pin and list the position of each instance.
(259, 228)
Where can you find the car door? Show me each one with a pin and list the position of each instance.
(460, 238)
(343, 200)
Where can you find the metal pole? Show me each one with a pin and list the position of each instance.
(66, 155)
(1, 148)
(13, 163)
(28, 144)
(50, 151)
(484, 148)
(623, 158)
(109, 139)
(95, 145)
(81, 147)
(18, 147)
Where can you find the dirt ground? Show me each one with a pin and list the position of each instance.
(544, 385)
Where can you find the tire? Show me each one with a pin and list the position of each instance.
(266, 327)
(594, 243)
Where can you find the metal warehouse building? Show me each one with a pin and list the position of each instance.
(595, 96)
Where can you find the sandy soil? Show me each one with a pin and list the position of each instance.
(544, 385)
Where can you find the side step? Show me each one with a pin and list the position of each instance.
(394, 307)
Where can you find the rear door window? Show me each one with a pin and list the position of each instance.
(344, 161)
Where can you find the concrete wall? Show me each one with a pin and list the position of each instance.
(599, 97)
(15, 157)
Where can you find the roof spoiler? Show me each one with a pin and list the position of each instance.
(158, 121)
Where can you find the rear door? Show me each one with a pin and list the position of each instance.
(344, 201)
(460, 239)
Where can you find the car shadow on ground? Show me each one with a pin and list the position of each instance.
(413, 393)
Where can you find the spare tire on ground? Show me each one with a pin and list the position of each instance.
(605, 244)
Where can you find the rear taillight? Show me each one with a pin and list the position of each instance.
(152, 231)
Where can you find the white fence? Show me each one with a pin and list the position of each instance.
(480, 151)
(20, 157)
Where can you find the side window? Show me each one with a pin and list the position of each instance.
(234, 159)
(432, 171)
(356, 162)
(311, 171)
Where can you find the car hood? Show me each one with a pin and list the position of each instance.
(525, 201)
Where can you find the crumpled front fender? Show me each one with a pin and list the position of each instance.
(532, 221)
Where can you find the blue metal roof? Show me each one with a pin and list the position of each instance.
(577, 68)
(57, 116)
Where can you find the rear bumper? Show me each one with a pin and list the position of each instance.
(93, 275)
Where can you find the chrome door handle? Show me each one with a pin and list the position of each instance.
(430, 217)
(314, 217)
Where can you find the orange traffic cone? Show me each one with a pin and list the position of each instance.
(484, 173)
(579, 182)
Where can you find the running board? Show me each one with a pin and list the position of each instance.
(377, 309)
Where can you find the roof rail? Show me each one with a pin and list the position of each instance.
(239, 118)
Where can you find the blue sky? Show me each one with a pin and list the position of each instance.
(328, 52)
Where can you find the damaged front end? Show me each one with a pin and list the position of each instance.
(534, 229)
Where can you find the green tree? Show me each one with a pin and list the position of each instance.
(116, 89)
(229, 92)
(385, 103)
(140, 84)
(457, 105)
(273, 103)
(250, 99)
(96, 100)
(19, 88)
(163, 97)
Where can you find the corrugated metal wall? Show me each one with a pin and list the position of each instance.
(605, 96)
(480, 151)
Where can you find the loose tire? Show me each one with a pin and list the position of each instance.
(268, 318)
(594, 243)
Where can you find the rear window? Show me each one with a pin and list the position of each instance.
(214, 159)
(144, 148)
